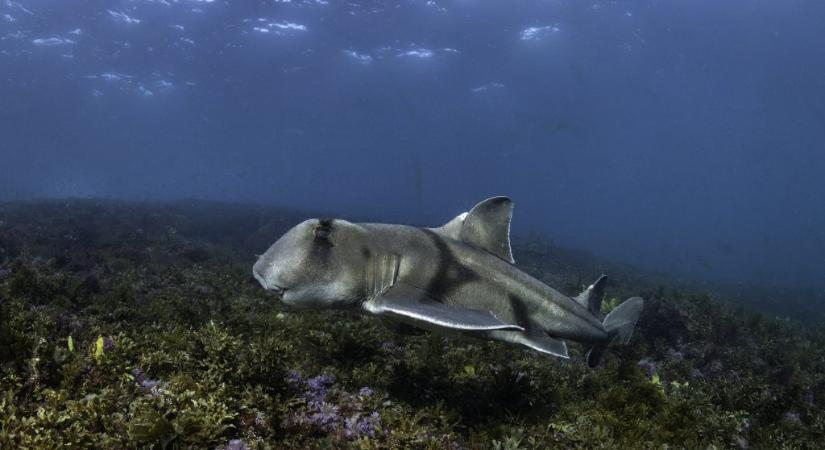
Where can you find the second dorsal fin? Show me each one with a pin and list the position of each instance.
(487, 226)
(591, 297)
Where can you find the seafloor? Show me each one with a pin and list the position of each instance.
(130, 325)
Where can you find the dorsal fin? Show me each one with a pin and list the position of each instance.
(452, 229)
(591, 297)
(487, 226)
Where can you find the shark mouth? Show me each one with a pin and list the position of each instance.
(271, 287)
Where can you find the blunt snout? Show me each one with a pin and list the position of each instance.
(259, 271)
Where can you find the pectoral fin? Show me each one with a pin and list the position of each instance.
(417, 307)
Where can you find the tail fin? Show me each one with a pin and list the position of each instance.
(619, 325)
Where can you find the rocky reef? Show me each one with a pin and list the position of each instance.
(133, 325)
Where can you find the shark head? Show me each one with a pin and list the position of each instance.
(319, 263)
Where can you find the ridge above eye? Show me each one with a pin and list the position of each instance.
(322, 232)
(324, 229)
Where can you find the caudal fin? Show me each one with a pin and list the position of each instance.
(619, 325)
(621, 321)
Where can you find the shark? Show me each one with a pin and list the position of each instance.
(459, 279)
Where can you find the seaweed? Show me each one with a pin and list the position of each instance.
(132, 325)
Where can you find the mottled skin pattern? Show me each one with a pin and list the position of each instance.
(324, 264)
(462, 275)
(455, 279)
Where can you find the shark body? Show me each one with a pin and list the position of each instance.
(459, 278)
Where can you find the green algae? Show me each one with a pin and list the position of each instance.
(132, 326)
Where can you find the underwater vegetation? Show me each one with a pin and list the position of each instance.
(130, 325)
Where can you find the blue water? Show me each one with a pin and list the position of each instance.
(682, 136)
